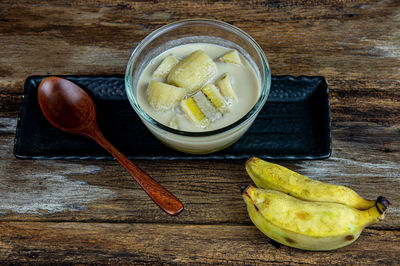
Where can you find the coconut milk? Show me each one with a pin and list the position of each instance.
(243, 78)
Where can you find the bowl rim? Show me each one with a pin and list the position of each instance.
(265, 88)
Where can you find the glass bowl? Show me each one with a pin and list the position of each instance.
(197, 31)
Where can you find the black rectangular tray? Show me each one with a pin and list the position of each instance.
(294, 124)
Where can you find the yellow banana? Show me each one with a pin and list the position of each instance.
(194, 113)
(308, 225)
(276, 177)
(213, 93)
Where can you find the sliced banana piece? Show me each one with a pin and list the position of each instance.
(206, 106)
(165, 67)
(225, 86)
(162, 96)
(193, 112)
(232, 57)
(193, 72)
(173, 122)
(213, 93)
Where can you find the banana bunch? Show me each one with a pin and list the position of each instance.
(185, 82)
(307, 214)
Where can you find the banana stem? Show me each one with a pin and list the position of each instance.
(382, 204)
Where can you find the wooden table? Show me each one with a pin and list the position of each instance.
(93, 212)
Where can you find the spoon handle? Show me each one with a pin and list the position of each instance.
(162, 197)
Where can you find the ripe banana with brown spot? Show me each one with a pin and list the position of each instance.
(308, 225)
(276, 177)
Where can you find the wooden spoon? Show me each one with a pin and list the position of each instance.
(69, 108)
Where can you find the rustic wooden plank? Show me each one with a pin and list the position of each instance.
(177, 244)
(365, 158)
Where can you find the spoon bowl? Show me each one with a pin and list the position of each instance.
(66, 105)
(69, 108)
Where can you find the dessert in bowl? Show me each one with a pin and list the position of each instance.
(198, 85)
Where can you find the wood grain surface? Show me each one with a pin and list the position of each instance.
(169, 243)
(93, 212)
